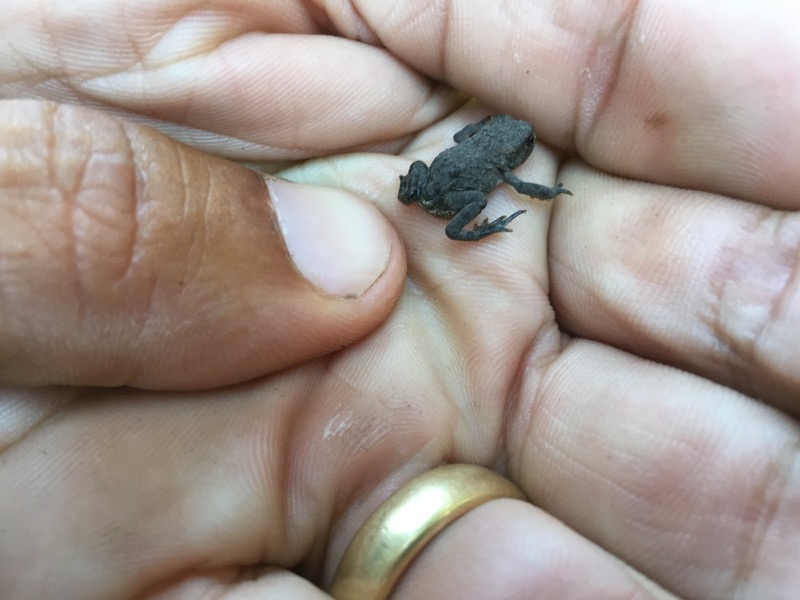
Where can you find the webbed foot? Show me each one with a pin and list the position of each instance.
(497, 225)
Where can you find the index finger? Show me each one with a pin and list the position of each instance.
(249, 80)
(693, 94)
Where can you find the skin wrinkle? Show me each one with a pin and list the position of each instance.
(714, 322)
(362, 31)
(197, 232)
(148, 284)
(136, 370)
(138, 62)
(743, 345)
(586, 122)
(534, 353)
(148, 301)
(337, 510)
(200, 232)
(445, 305)
(53, 46)
(789, 258)
(442, 10)
(69, 198)
(538, 405)
(461, 336)
(317, 14)
(765, 501)
(792, 255)
(134, 193)
(280, 471)
(54, 411)
(529, 354)
(130, 39)
(445, 15)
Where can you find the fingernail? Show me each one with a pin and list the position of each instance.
(337, 241)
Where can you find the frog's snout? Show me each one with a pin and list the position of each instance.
(404, 193)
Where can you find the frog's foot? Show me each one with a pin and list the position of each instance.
(497, 225)
(456, 229)
(559, 189)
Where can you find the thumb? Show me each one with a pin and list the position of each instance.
(127, 258)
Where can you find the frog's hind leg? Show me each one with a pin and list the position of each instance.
(455, 228)
(534, 190)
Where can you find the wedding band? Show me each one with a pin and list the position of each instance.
(394, 534)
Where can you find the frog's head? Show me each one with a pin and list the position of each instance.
(411, 185)
(519, 141)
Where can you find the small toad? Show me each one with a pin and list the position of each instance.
(456, 184)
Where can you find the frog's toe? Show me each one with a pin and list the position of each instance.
(481, 226)
(503, 221)
(498, 224)
(561, 190)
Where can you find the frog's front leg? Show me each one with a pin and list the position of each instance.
(474, 202)
(534, 190)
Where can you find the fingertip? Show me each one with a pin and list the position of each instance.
(340, 243)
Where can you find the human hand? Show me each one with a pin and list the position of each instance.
(675, 472)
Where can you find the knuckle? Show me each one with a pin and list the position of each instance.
(756, 297)
(70, 235)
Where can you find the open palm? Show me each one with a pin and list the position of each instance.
(626, 355)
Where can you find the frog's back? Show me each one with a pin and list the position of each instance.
(464, 167)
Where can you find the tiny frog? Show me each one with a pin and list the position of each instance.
(456, 184)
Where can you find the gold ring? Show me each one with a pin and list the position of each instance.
(394, 534)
